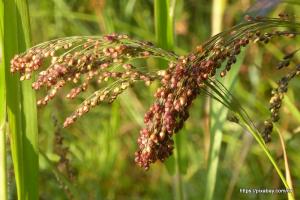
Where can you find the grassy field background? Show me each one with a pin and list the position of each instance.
(95, 159)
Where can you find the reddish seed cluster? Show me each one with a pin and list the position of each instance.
(181, 83)
(277, 97)
(81, 60)
(167, 115)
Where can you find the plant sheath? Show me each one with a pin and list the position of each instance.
(21, 103)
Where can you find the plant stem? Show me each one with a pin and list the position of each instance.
(3, 168)
(164, 23)
(246, 121)
(291, 196)
(179, 186)
(217, 111)
(267, 152)
(164, 32)
(218, 8)
(21, 103)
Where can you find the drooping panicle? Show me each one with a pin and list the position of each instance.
(81, 61)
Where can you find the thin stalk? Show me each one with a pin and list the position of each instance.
(59, 175)
(178, 178)
(164, 32)
(261, 143)
(21, 107)
(217, 111)
(244, 120)
(3, 168)
(164, 23)
(218, 8)
(291, 195)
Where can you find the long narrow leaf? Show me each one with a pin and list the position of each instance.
(29, 112)
(13, 95)
(21, 103)
(286, 165)
(217, 112)
(164, 32)
(3, 176)
(164, 23)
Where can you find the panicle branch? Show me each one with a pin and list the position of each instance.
(82, 60)
(184, 79)
(278, 94)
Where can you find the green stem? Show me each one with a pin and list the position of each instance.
(3, 168)
(164, 32)
(244, 119)
(179, 185)
(291, 196)
(164, 23)
(267, 152)
(218, 112)
(21, 103)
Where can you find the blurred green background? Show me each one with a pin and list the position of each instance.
(100, 146)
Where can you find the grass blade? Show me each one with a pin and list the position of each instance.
(29, 114)
(217, 111)
(286, 165)
(261, 143)
(164, 32)
(3, 174)
(241, 156)
(222, 93)
(218, 118)
(3, 168)
(21, 107)
(13, 100)
(164, 23)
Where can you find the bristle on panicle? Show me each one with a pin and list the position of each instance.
(81, 60)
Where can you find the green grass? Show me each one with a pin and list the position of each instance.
(218, 115)
(3, 166)
(21, 107)
(245, 121)
(164, 23)
(102, 144)
(217, 112)
(164, 32)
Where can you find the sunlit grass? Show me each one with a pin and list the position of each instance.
(101, 144)
(21, 106)
(3, 166)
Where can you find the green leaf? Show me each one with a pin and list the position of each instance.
(21, 106)
(3, 168)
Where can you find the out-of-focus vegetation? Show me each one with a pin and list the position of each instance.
(94, 158)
